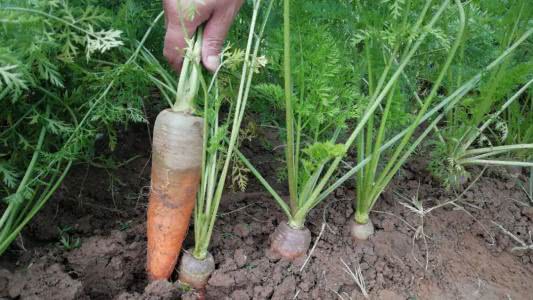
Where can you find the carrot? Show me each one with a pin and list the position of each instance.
(195, 272)
(176, 171)
(177, 158)
(289, 242)
(360, 231)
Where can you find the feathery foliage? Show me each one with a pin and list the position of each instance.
(66, 78)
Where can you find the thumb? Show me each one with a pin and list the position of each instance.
(215, 33)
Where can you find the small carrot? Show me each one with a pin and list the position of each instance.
(176, 171)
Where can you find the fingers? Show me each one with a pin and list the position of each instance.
(175, 35)
(215, 32)
(174, 43)
(220, 14)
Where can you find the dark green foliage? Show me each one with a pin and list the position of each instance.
(62, 75)
(492, 27)
(325, 91)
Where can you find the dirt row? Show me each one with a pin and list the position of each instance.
(457, 251)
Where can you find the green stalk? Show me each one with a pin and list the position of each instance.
(486, 162)
(446, 104)
(360, 177)
(289, 114)
(206, 174)
(204, 198)
(5, 215)
(189, 81)
(318, 190)
(284, 207)
(213, 202)
(299, 122)
(364, 203)
(488, 154)
(421, 103)
(368, 135)
(393, 164)
(311, 182)
(498, 148)
(300, 197)
(6, 241)
(495, 115)
(531, 183)
(379, 188)
(12, 210)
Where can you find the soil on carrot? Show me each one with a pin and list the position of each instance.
(456, 251)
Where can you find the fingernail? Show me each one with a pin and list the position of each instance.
(212, 62)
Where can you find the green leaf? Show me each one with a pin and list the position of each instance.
(9, 174)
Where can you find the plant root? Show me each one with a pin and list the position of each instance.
(290, 243)
(176, 171)
(196, 272)
(361, 232)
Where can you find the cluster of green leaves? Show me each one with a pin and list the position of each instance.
(63, 83)
(383, 68)
(492, 27)
(325, 95)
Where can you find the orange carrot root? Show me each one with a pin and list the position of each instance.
(176, 171)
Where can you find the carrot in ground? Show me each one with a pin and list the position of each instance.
(177, 153)
(310, 180)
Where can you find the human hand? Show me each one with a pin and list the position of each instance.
(218, 15)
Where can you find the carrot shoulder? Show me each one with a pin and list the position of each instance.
(176, 172)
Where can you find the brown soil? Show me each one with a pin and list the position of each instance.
(464, 254)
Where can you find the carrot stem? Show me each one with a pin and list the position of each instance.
(189, 81)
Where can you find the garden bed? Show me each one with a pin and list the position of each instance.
(467, 256)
